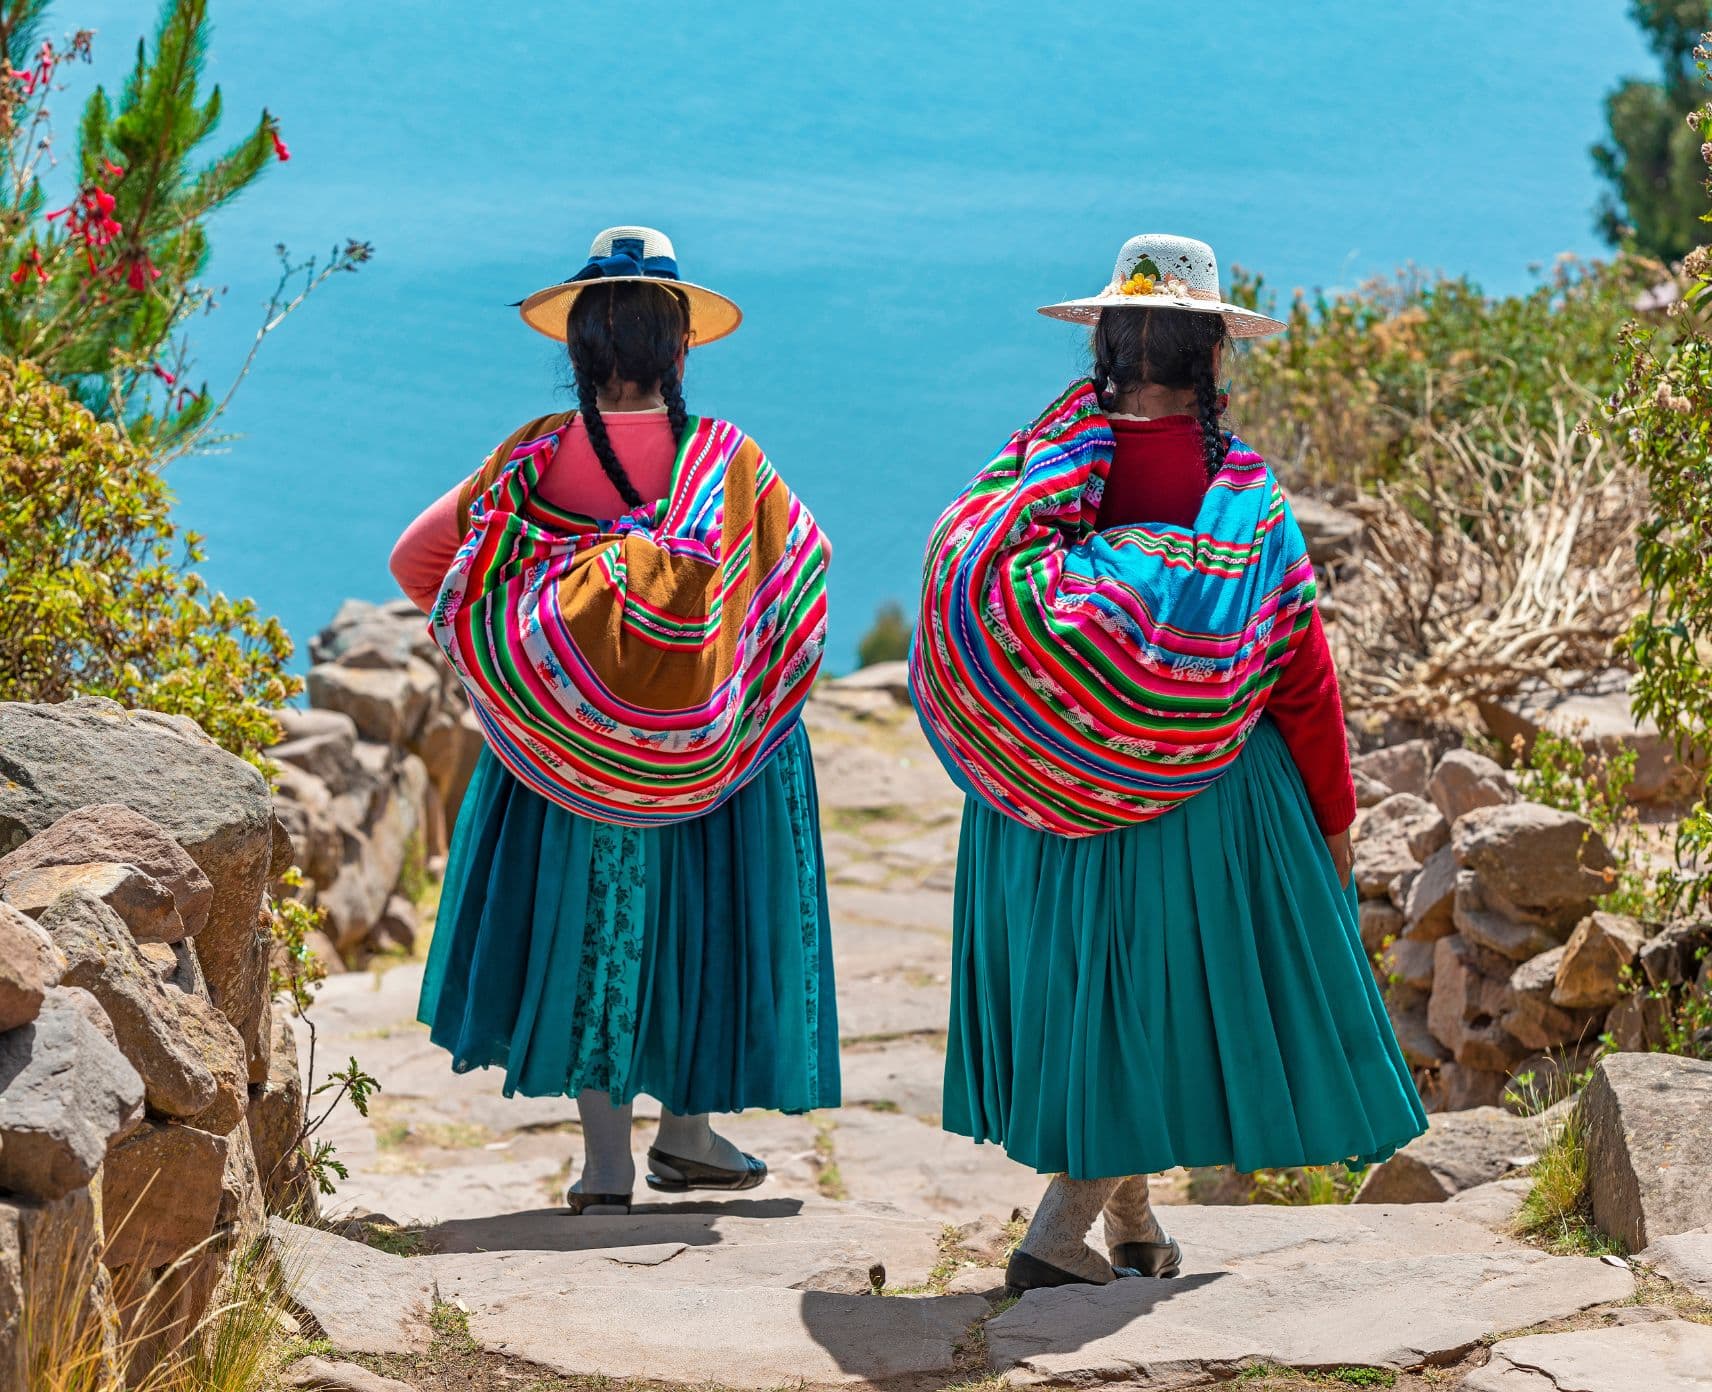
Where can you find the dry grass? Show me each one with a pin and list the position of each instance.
(1555, 1212)
(1484, 572)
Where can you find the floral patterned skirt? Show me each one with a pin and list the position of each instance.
(691, 962)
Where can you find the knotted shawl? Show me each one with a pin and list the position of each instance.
(636, 671)
(1081, 681)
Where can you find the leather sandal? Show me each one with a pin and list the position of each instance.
(694, 1174)
(1161, 1259)
(579, 1204)
(1025, 1273)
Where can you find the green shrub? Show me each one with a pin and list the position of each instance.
(97, 593)
(887, 638)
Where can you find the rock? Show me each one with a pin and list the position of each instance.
(1471, 991)
(1333, 535)
(30, 965)
(1465, 780)
(111, 832)
(210, 1036)
(275, 1120)
(57, 759)
(1685, 1258)
(46, 1260)
(1393, 839)
(365, 1301)
(892, 678)
(102, 959)
(1463, 1087)
(323, 750)
(1403, 768)
(305, 808)
(449, 745)
(321, 947)
(1637, 1022)
(1647, 1122)
(323, 1376)
(1598, 716)
(1380, 920)
(1535, 859)
(1493, 1205)
(1590, 975)
(1458, 1151)
(387, 705)
(65, 1094)
(1669, 1355)
(1397, 1313)
(1676, 953)
(1428, 899)
(1517, 937)
(143, 903)
(162, 1190)
(1410, 961)
(1420, 1048)
(1533, 1018)
(397, 924)
(1369, 792)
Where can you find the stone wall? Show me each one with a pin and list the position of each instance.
(1479, 910)
(149, 1093)
(372, 774)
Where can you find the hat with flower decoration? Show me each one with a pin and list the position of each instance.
(622, 254)
(1159, 271)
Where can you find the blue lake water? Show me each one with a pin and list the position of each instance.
(887, 189)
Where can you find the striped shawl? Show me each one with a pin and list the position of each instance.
(636, 671)
(1081, 681)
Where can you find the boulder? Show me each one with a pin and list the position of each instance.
(1638, 1022)
(1471, 992)
(275, 1121)
(1676, 953)
(30, 965)
(1517, 936)
(323, 749)
(210, 1036)
(102, 959)
(1333, 535)
(1457, 1151)
(1602, 947)
(1660, 1355)
(386, 703)
(323, 1375)
(1462, 1087)
(66, 1093)
(1410, 961)
(1429, 896)
(1380, 920)
(46, 1260)
(398, 924)
(112, 832)
(57, 759)
(162, 1190)
(1534, 860)
(1403, 768)
(1532, 1017)
(1392, 840)
(1414, 1036)
(1465, 780)
(304, 806)
(1369, 791)
(449, 745)
(1647, 1126)
(1598, 716)
(143, 903)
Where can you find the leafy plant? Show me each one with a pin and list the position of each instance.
(1556, 1209)
(98, 593)
(103, 287)
(1307, 1184)
(1663, 409)
(1650, 160)
(887, 638)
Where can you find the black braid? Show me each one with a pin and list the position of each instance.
(1207, 408)
(602, 442)
(628, 332)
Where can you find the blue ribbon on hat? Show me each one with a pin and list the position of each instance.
(626, 259)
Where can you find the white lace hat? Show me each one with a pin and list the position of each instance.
(1159, 271)
(626, 254)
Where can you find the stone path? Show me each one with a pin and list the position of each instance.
(778, 1287)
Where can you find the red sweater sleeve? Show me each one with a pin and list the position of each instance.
(1309, 713)
(423, 555)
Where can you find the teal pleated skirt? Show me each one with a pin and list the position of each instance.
(691, 962)
(1188, 991)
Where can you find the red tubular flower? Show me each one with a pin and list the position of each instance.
(112, 171)
(281, 151)
(139, 271)
(163, 374)
(30, 265)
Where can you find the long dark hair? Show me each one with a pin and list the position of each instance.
(631, 331)
(1163, 348)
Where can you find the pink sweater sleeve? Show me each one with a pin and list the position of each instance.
(424, 553)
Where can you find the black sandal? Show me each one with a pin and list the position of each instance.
(579, 1204)
(1159, 1259)
(693, 1174)
(1024, 1273)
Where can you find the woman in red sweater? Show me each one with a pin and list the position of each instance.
(1155, 957)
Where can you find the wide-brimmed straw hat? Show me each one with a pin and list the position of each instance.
(1159, 271)
(628, 254)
